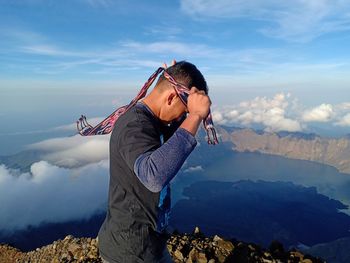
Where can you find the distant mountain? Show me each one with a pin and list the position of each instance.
(297, 145)
(22, 160)
(33, 237)
(337, 251)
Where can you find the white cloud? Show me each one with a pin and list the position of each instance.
(294, 21)
(51, 194)
(74, 151)
(282, 112)
(194, 169)
(271, 113)
(321, 113)
(344, 121)
(345, 106)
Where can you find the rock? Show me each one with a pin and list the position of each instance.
(202, 258)
(189, 248)
(225, 245)
(216, 238)
(67, 238)
(196, 230)
(193, 255)
(73, 247)
(178, 255)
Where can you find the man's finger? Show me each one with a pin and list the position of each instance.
(193, 90)
(165, 65)
(173, 62)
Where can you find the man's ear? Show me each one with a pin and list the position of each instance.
(171, 97)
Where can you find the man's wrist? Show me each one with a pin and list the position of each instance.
(191, 123)
(194, 116)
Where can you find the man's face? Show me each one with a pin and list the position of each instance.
(174, 109)
(177, 110)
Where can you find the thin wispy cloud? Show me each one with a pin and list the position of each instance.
(47, 50)
(297, 21)
(64, 128)
(171, 47)
(164, 31)
(19, 35)
(42, 56)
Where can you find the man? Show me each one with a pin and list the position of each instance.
(148, 146)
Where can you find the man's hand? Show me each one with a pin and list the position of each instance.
(198, 103)
(173, 62)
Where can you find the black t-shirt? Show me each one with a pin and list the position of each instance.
(128, 232)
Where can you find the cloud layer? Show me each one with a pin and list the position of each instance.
(74, 151)
(281, 113)
(51, 194)
(271, 113)
(322, 113)
(344, 121)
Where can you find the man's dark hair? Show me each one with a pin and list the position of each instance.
(187, 74)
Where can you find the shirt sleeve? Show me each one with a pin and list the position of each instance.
(155, 168)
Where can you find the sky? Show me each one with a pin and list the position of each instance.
(275, 65)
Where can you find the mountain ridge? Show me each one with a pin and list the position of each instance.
(302, 146)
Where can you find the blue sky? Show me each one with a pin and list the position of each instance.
(235, 43)
(284, 60)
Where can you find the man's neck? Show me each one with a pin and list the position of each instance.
(153, 104)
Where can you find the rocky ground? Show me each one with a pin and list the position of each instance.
(187, 248)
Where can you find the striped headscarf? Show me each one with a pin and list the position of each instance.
(106, 126)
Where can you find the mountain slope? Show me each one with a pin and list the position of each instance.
(331, 151)
(336, 251)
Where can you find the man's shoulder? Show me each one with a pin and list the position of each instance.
(136, 117)
(137, 113)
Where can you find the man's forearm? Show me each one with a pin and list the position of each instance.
(191, 123)
(155, 169)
